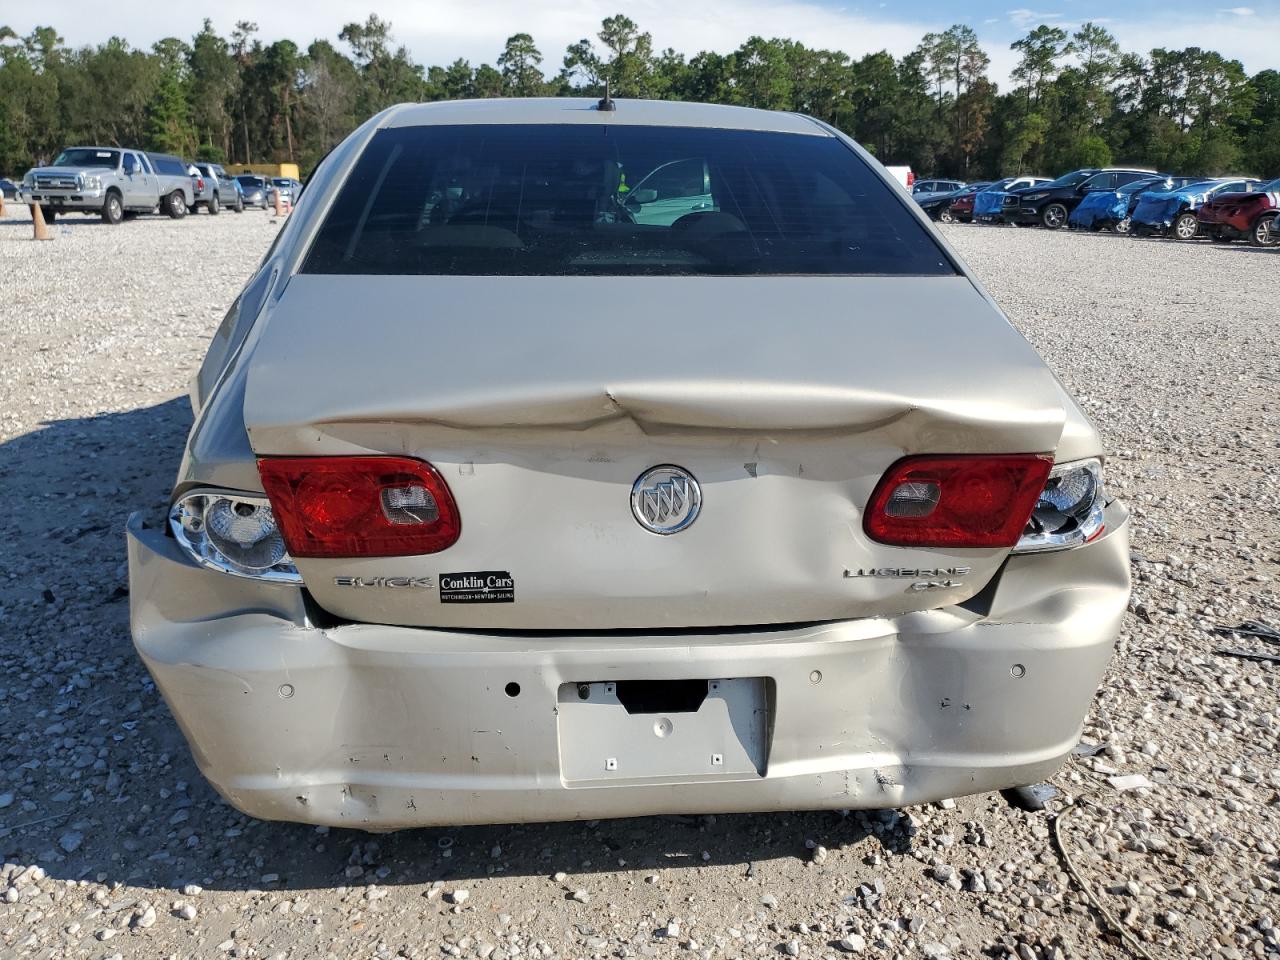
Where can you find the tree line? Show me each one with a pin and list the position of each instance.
(1076, 98)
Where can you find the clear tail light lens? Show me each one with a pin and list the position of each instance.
(233, 533)
(956, 500)
(1069, 510)
(360, 506)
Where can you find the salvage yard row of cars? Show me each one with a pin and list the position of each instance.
(119, 183)
(1140, 203)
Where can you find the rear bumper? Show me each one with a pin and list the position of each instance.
(385, 727)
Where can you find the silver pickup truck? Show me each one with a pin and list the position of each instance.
(111, 182)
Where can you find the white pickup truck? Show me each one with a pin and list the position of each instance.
(110, 181)
(903, 175)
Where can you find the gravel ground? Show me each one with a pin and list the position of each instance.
(113, 846)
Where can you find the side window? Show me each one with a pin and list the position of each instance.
(680, 178)
(145, 162)
(1101, 181)
(669, 192)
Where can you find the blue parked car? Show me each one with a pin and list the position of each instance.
(1112, 209)
(1173, 212)
(988, 204)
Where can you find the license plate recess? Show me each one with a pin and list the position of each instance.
(663, 739)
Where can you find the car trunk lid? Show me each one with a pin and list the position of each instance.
(542, 400)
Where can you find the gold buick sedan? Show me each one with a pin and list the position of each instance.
(573, 459)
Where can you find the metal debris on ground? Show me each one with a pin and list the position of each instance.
(1250, 628)
(1248, 655)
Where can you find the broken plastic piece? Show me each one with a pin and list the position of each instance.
(1031, 798)
(1086, 749)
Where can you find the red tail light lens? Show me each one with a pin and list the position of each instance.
(956, 501)
(360, 506)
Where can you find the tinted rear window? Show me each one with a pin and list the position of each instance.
(553, 200)
(170, 166)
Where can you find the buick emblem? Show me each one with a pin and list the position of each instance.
(666, 499)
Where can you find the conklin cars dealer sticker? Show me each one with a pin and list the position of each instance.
(483, 586)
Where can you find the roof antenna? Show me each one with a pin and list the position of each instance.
(606, 102)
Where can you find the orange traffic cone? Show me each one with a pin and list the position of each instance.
(279, 205)
(1, 203)
(37, 219)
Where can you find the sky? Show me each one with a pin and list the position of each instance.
(439, 31)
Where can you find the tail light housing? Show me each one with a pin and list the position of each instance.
(366, 506)
(956, 500)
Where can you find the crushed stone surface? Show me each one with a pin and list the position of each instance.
(113, 846)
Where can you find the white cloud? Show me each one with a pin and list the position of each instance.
(1252, 41)
(1239, 11)
(1025, 19)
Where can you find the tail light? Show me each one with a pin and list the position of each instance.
(360, 506)
(956, 501)
(911, 179)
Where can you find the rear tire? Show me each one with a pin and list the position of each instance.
(1123, 227)
(239, 204)
(1054, 216)
(1264, 232)
(1185, 227)
(945, 216)
(112, 208)
(214, 206)
(175, 205)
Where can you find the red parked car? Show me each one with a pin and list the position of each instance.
(962, 206)
(1242, 216)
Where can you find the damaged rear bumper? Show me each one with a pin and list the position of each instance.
(385, 727)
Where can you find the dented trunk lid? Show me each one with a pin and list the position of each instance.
(541, 400)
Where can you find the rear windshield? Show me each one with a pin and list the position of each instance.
(554, 200)
(170, 166)
(251, 181)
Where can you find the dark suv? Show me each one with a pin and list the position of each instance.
(1050, 204)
